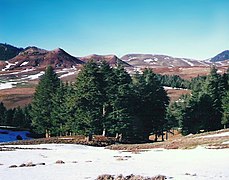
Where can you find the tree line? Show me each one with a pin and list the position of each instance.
(105, 99)
(207, 108)
(17, 117)
(101, 99)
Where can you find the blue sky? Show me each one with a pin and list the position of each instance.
(183, 28)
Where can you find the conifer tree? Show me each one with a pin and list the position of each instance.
(59, 111)
(2, 114)
(120, 95)
(42, 104)
(87, 102)
(225, 106)
(153, 101)
(214, 88)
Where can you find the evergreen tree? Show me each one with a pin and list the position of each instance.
(88, 101)
(119, 117)
(153, 101)
(42, 104)
(225, 106)
(214, 88)
(59, 112)
(26, 122)
(9, 115)
(2, 114)
(18, 117)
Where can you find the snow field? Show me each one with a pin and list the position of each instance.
(90, 162)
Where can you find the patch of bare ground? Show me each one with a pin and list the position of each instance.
(129, 177)
(174, 94)
(188, 72)
(99, 141)
(15, 97)
(180, 142)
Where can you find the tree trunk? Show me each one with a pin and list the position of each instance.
(162, 136)
(104, 132)
(166, 135)
(155, 137)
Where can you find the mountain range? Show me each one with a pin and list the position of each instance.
(13, 58)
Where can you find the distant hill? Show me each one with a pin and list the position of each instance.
(113, 60)
(151, 60)
(7, 51)
(223, 56)
(36, 57)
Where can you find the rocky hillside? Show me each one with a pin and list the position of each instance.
(151, 60)
(111, 59)
(223, 56)
(7, 51)
(33, 57)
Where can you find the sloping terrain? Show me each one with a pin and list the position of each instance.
(33, 57)
(155, 61)
(223, 56)
(7, 51)
(23, 70)
(110, 59)
(210, 140)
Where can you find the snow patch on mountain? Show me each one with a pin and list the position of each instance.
(9, 65)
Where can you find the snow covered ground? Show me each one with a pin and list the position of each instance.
(216, 135)
(7, 85)
(84, 162)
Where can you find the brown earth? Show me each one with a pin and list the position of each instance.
(180, 142)
(97, 140)
(188, 72)
(15, 97)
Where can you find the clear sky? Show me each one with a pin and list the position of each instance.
(183, 28)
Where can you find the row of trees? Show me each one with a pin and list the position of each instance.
(207, 108)
(18, 117)
(102, 98)
(108, 99)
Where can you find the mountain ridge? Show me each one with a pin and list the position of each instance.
(33, 56)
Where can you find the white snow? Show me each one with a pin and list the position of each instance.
(7, 85)
(219, 71)
(68, 74)
(155, 59)
(131, 58)
(188, 62)
(34, 76)
(167, 88)
(216, 135)
(8, 65)
(24, 63)
(148, 60)
(227, 142)
(199, 163)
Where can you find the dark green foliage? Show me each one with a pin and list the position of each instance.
(88, 100)
(15, 117)
(152, 103)
(119, 114)
(174, 81)
(225, 107)
(42, 104)
(2, 114)
(206, 107)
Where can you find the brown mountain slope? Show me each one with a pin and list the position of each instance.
(110, 59)
(35, 57)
